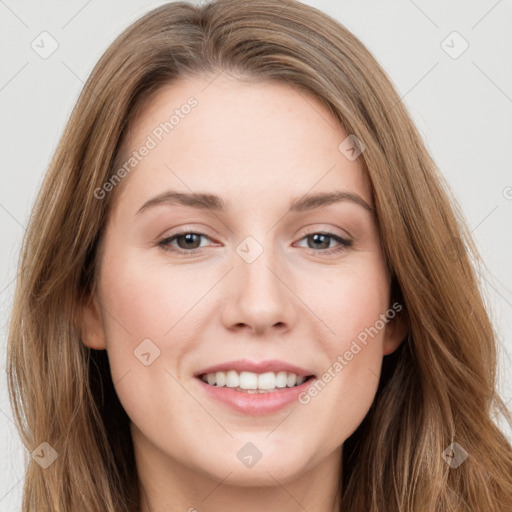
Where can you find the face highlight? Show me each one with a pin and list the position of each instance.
(244, 233)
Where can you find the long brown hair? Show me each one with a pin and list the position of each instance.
(439, 387)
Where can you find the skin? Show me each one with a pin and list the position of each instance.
(259, 147)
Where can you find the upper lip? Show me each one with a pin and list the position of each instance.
(241, 365)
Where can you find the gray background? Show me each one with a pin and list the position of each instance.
(462, 106)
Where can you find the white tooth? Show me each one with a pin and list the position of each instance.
(281, 379)
(267, 380)
(248, 380)
(253, 382)
(232, 379)
(220, 378)
(292, 379)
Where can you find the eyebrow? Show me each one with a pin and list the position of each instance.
(204, 201)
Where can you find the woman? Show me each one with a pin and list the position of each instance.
(259, 369)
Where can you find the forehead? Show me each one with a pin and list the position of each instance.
(263, 141)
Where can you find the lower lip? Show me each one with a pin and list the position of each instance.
(255, 404)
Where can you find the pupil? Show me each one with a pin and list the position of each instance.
(189, 238)
(316, 239)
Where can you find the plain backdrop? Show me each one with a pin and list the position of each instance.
(451, 62)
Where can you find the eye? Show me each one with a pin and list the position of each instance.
(321, 240)
(187, 242)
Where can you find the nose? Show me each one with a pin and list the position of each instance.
(259, 295)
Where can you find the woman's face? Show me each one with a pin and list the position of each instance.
(273, 276)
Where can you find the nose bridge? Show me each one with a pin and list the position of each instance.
(255, 259)
(259, 297)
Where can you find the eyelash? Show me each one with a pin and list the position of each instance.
(165, 243)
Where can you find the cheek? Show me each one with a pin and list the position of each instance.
(145, 310)
(353, 306)
(348, 301)
(149, 299)
(148, 332)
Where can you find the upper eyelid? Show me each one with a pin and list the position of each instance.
(309, 230)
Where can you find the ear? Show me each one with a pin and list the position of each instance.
(92, 332)
(395, 332)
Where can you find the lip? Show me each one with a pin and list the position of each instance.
(270, 365)
(255, 404)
